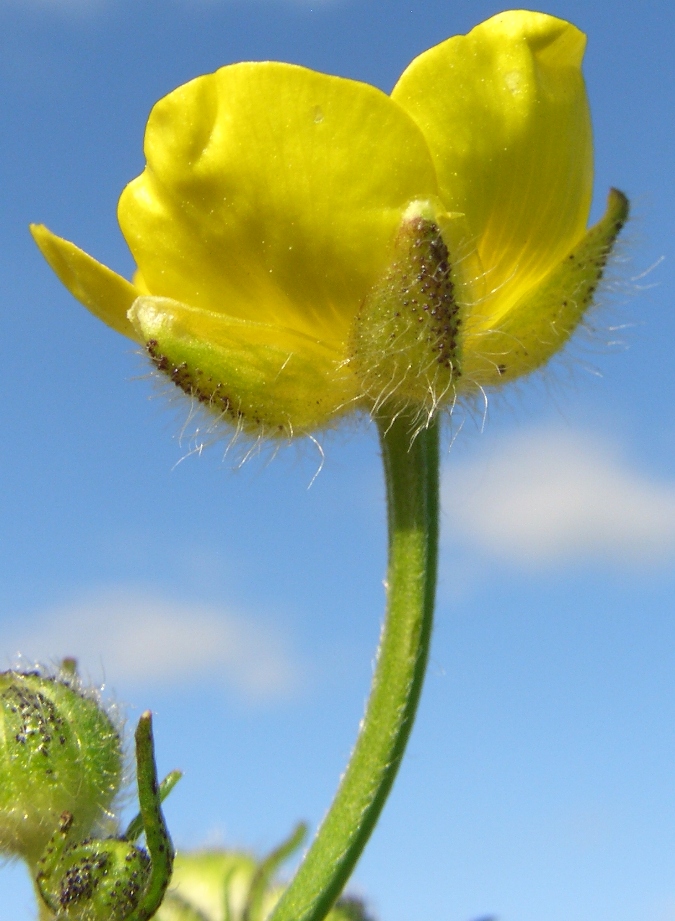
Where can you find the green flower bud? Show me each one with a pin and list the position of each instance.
(111, 879)
(218, 885)
(92, 880)
(59, 752)
(175, 908)
(214, 884)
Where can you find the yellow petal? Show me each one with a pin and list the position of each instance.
(541, 322)
(505, 114)
(104, 292)
(266, 379)
(139, 283)
(272, 193)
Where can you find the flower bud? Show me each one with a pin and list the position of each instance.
(216, 884)
(175, 908)
(91, 880)
(60, 752)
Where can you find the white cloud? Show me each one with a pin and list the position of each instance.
(550, 496)
(129, 638)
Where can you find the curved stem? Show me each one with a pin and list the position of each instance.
(157, 836)
(411, 472)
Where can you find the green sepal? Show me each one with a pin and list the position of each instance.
(532, 330)
(405, 346)
(264, 379)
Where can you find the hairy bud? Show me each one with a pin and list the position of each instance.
(91, 880)
(60, 753)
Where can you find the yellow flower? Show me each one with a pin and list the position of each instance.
(307, 245)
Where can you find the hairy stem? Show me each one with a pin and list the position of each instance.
(411, 472)
(157, 837)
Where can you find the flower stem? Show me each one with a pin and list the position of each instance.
(411, 472)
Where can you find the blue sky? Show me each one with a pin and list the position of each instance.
(244, 607)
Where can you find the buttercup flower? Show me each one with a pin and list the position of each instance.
(307, 245)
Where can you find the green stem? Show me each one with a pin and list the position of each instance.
(157, 837)
(411, 472)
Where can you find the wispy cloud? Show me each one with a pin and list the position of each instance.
(136, 639)
(549, 496)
